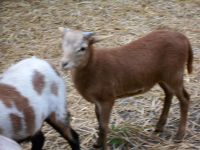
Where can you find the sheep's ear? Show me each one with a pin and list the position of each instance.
(63, 30)
(94, 39)
(88, 34)
(97, 39)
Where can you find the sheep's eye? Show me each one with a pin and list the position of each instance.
(82, 49)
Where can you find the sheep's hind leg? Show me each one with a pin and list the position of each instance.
(165, 111)
(64, 128)
(37, 141)
(184, 98)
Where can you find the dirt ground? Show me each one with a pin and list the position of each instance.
(30, 27)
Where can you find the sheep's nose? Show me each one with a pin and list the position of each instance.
(64, 64)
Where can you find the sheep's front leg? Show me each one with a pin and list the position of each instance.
(64, 128)
(103, 110)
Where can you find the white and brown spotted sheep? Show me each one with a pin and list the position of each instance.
(105, 74)
(8, 144)
(32, 92)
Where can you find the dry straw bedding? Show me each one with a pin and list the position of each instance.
(30, 28)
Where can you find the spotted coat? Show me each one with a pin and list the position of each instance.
(30, 91)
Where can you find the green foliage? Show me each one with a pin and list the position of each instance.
(118, 136)
(116, 142)
(119, 129)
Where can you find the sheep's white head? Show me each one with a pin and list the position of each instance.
(75, 45)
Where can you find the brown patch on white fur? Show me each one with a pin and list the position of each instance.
(1, 131)
(10, 96)
(38, 82)
(16, 122)
(54, 88)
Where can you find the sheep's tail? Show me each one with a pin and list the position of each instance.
(190, 59)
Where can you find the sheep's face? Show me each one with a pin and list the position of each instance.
(75, 48)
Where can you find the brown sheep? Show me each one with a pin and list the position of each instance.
(103, 75)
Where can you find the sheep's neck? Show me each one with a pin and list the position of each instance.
(80, 75)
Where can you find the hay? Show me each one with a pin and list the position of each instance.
(30, 28)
